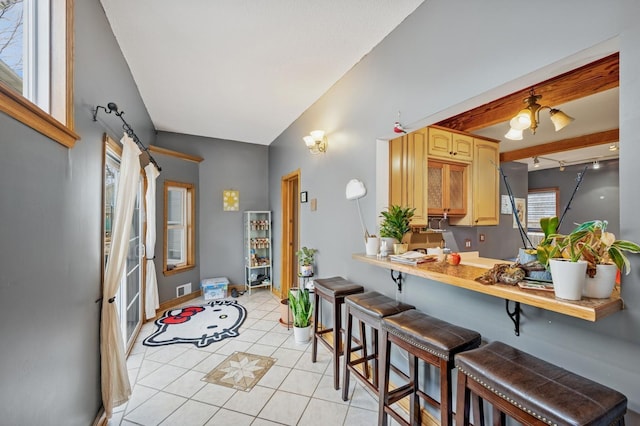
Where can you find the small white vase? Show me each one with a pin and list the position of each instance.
(601, 285)
(372, 246)
(568, 278)
(302, 334)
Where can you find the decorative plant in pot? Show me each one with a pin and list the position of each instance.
(301, 309)
(305, 260)
(604, 254)
(395, 224)
(563, 255)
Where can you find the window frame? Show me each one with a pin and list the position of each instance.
(555, 191)
(58, 124)
(189, 233)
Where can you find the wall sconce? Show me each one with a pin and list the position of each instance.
(529, 117)
(316, 142)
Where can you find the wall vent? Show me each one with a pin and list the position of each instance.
(181, 290)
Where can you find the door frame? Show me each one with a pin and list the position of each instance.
(290, 207)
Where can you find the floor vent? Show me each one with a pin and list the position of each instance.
(181, 290)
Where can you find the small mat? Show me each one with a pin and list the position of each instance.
(198, 325)
(240, 371)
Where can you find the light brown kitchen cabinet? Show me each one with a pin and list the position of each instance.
(485, 186)
(447, 188)
(407, 174)
(449, 145)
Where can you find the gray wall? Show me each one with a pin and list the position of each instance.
(50, 241)
(597, 197)
(176, 170)
(227, 165)
(429, 70)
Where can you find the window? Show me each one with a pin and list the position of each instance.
(36, 66)
(179, 226)
(542, 203)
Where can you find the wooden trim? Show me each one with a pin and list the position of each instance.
(608, 136)
(587, 80)
(29, 114)
(176, 154)
(290, 232)
(17, 106)
(460, 132)
(190, 228)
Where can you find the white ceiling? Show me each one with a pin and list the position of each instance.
(592, 114)
(244, 70)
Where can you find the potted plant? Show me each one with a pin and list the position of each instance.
(395, 224)
(305, 260)
(604, 254)
(301, 309)
(563, 255)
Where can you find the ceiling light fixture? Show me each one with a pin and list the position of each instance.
(316, 142)
(529, 117)
(536, 162)
(562, 166)
(613, 147)
(596, 165)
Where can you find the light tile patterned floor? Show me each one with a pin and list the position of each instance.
(168, 390)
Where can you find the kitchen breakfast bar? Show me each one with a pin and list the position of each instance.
(472, 266)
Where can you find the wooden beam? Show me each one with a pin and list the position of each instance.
(587, 80)
(608, 136)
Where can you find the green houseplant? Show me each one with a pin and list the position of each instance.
(301, 308)
(305, 260)
(599, 247)
(395, 224)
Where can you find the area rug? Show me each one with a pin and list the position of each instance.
(240, 371)
(199, 325)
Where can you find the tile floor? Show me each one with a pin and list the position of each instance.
(168, 390)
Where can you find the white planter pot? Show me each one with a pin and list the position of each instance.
(306, 270)
(372, 246)
(600, 286)
(568, 278)
(302, 334)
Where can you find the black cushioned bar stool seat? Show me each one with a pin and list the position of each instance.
(333, 290)
(532, 391)
(432, 340)
(369, 308)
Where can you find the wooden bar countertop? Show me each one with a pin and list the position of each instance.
(471, 267)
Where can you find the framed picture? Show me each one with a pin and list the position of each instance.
(521, 209)
(230, 200)
(303, 197)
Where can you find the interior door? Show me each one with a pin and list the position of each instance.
(128, 299)
(290, 188)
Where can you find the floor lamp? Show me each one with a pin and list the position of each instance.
(356, 190)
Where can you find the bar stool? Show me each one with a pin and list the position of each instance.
(369, 308)
(333, 290)
(431, 340)
(532, 391)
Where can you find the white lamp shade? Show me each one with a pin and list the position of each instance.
(355, 189)
(559, 119)
(317, 134)
(514, 135)
(521, 121)
(309, 141)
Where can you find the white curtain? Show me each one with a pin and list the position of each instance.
(151, 287)
(116, 389)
